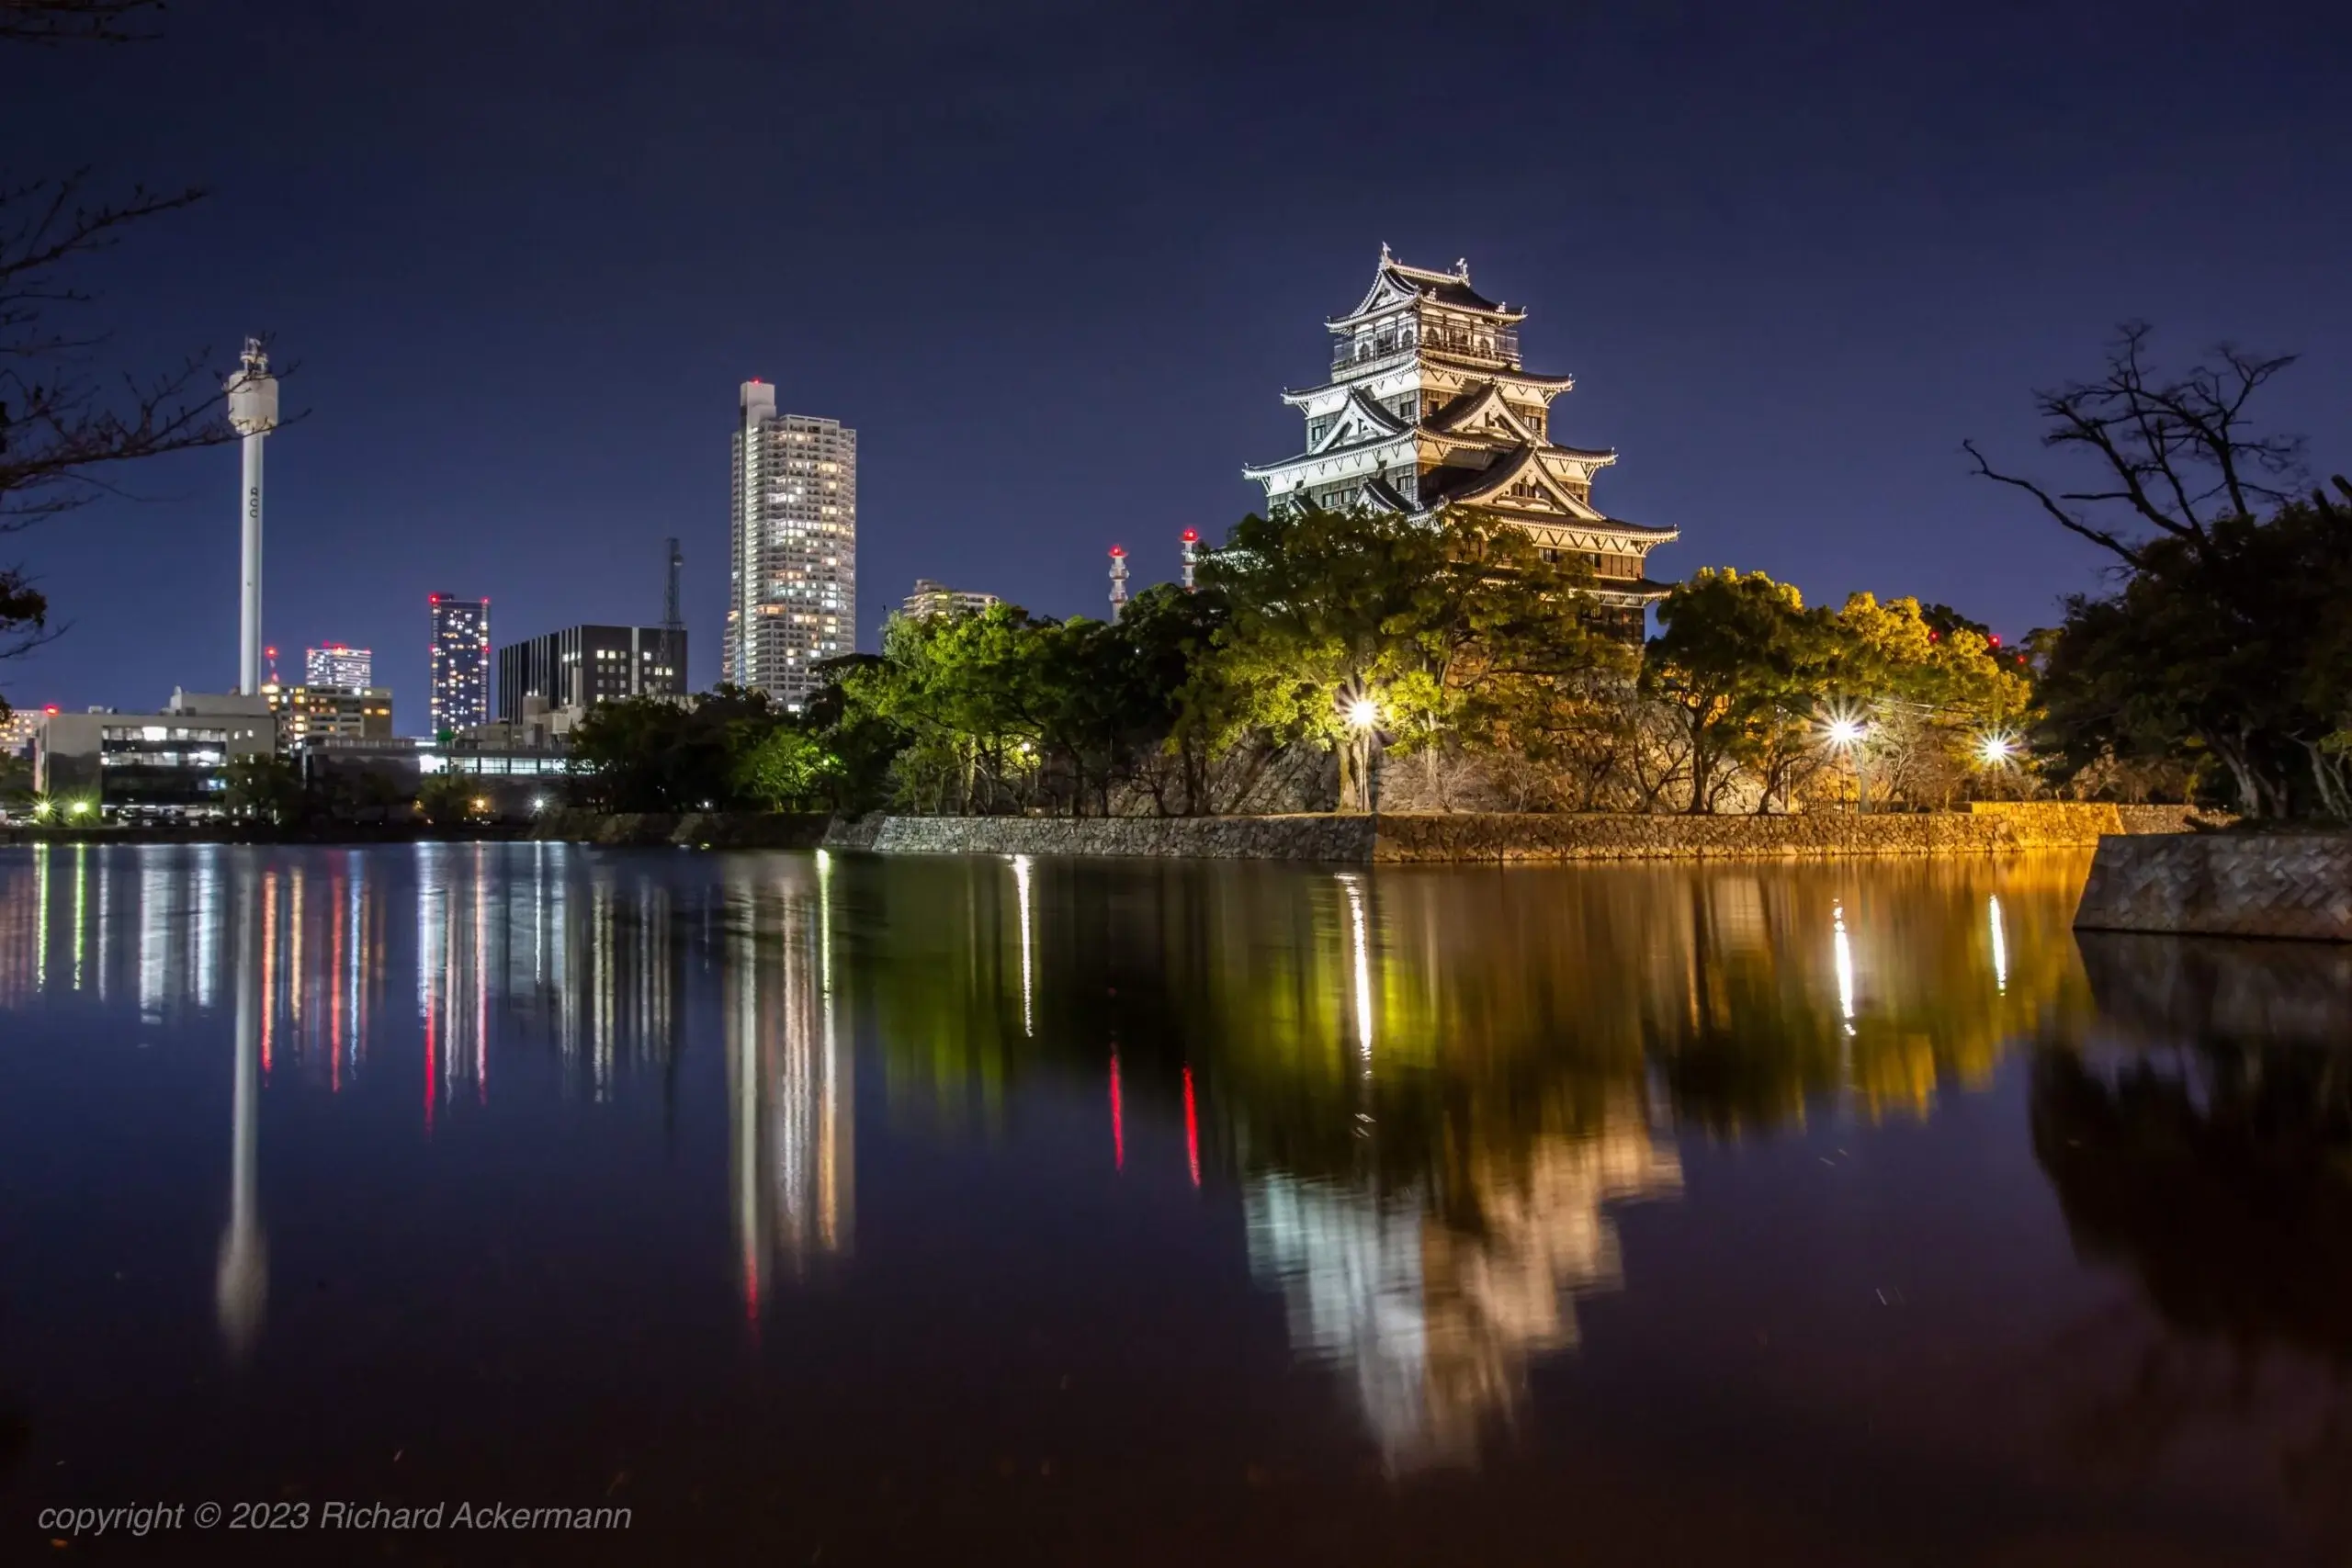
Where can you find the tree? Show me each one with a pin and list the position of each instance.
(653, 754)
(1323, 614)
(1451, 628)
(2223, 644)
(1746, 668)
(63, 430)
(2176, 455)
(448, 797)
(785, 770)
(265, 789)
(2235, 653)
(1935, 688)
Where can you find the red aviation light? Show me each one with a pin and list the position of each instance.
(1116, 551)
(50, 710)
(1191, 536)
(1992, 641)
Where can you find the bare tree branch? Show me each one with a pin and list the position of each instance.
(2064, 519)
(2180, 450)
(66, 425)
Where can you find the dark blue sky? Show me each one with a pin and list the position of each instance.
(1054, 261)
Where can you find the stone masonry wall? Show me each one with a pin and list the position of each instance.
(700, 829)
(1394, 836)
(2274, 885)
(1303, 838)
(1478, 836)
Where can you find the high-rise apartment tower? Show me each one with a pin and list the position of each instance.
(793, 582)
(336, 665)
(461, 688)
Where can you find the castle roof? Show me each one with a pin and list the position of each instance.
(1393, 283)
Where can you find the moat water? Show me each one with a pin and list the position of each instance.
(840, 1208)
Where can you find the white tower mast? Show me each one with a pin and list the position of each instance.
(253, 414)
(1118, 581)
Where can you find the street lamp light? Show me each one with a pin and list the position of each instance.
(1996, 750)
(1847, 733)
(1363, 714)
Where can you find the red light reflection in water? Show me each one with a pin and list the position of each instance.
(429, 1086)
(1118, 1134)
(1191, 1129)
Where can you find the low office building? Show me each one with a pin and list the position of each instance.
(515, 777)
(359, 713)
(176, 760)
(582, 666)
(937, 599)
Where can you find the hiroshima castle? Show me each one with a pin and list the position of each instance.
(1427, 408)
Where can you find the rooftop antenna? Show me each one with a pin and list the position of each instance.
(673, 623)
(1118, 581)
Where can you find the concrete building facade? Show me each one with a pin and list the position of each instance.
(793, 578)
(937, 599)
(460, 696)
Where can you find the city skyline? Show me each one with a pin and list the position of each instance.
(1788, 288)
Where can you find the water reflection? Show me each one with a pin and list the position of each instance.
(1433, 1092)
(243, 1280)
(789, 1088)
(1436, 1323)
(1540, 1038)
(2204, 1147)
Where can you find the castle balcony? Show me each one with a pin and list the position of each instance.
(1493, 347)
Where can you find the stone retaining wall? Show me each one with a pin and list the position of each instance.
(1303, 838)
(1450, 837)
(1598, 837)
(2091, 819)
(700, 830)
(2276, 884)
(1435, 837)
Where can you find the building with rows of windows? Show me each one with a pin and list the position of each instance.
(1427, 408)
(793, 587)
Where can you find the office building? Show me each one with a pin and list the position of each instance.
(176, 760)
(793, 578)
(336, 665)
(583, 665)
(17, 731)
(460, 673)
(363, 713)
(937, 599)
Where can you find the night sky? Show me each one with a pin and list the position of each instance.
(1055, 262)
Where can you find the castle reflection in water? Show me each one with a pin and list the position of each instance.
(1436, 1093)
